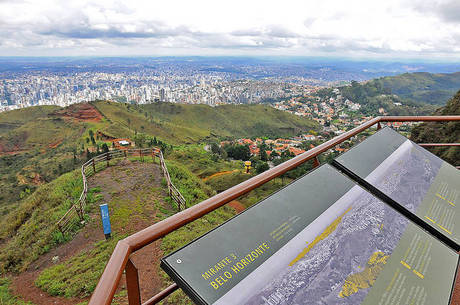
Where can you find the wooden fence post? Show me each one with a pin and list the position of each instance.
(94, 166)
(107, 158)
(81, 209)
(316, 162)
(132, 283)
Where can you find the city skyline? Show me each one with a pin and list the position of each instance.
(354, 29)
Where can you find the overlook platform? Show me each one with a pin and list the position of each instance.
(120, 259)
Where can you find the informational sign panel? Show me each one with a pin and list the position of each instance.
(320, 240)
(105, 219)
(410, 175)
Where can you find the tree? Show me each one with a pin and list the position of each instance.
(215, 148)
(238, 152)
(274, 154)
(261, 167)
(105, 148)
(139, 140)
(88, 154)
(263, 155)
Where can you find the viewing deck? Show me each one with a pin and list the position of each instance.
(120, 260)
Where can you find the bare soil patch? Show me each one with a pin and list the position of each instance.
(237, 206)
(83, 112)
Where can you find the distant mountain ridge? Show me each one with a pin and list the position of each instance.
(422, 87)
(435, 132)
(418, 90)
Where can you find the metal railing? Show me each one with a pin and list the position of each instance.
(121, 261)
(101, 162)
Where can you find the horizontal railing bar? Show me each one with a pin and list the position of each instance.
(105, 289)
(438, 144)
(434, 118)
(161, 295)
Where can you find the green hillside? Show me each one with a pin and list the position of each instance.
(442, 132)
(35, 148)
(421, 87)
(416, 91)
(179, 123)
(37, 144)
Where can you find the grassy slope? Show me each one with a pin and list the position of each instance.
(442, 132)
(423, 87)
(28, 231)
(178, 123)
(420, 87)
(34, 131)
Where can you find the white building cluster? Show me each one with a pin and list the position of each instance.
(144, 86)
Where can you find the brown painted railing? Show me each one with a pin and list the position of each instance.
(120, 259)
(103, 161)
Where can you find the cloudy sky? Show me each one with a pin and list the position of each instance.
(351, 28)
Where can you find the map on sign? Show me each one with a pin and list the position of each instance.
(320, 240)
(410, 175)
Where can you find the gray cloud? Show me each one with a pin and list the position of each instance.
(115, 32)
(448, 10)
(270, 31)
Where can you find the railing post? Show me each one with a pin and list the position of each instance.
(316, 162)
(107, 158)
(379, 126)
(94, 166)
(132, 284)
(125, 153)
(140, 155)
(81, 210)
(60, 229)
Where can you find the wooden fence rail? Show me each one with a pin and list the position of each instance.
(102, 161)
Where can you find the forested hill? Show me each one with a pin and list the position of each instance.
(410, 89)
(442, 132)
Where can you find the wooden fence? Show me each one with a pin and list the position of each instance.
(100, 162)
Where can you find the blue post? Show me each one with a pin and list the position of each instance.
(105, 220)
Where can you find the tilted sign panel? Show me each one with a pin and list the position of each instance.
(320, 240)
(410, 175)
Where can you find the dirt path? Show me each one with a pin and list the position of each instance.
(130, 186)
(126, 184)
(220, 174)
